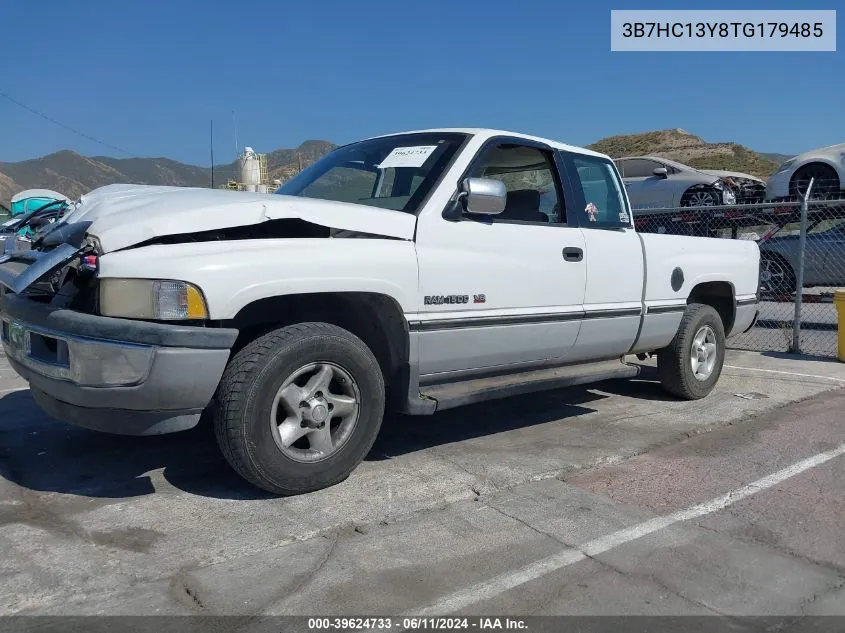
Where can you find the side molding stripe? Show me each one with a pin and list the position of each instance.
(523, 319)
(665, 309)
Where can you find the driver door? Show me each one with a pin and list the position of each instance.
(501, 292)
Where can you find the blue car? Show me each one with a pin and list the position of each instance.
(33, 199)
(17, 233)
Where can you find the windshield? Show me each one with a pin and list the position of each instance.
(394, 172)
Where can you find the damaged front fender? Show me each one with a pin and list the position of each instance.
(235, 273)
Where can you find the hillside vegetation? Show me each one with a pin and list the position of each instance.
(689, 149)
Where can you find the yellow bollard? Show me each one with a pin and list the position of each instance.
(839, 302)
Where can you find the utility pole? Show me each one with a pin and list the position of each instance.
(235, 124)
(212, 153)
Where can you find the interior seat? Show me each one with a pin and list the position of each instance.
(523, 205)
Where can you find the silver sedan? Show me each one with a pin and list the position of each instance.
(656, 182)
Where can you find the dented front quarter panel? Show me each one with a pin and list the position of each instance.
(233, 274)
(122, 217)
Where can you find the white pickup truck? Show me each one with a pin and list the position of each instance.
(417, 271)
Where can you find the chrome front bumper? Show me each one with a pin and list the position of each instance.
(778, 185)
(115, 375)
(80, 361)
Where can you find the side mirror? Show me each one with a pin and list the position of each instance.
(484, 196)
(661, 172)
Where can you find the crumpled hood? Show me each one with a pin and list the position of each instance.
(731, 174)
(125, 215)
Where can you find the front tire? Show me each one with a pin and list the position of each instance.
(702, 197)
(299, 408)
(690, 366)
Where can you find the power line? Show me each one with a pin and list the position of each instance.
(66, 127)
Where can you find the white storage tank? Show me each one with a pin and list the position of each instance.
(250, 169)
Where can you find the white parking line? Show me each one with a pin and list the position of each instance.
(5, 391)
(787, 373)
(509, 580)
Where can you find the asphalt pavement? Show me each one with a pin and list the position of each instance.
(614, 499)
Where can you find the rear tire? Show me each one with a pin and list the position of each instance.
(299, 408)
(689, 367)
(825, 185)
(776, 274)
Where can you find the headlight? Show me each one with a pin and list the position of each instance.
(155, 299)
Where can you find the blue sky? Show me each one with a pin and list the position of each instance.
(148, 76)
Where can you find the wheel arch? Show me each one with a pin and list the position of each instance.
(819, 161)
(377, 319)
(719, 295)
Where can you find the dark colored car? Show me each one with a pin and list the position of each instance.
(17, 232)
(824, 259)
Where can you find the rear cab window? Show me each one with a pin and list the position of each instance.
(598, 191)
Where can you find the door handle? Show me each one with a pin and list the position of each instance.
(573, 254)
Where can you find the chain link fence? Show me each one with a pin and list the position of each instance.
(802, 253)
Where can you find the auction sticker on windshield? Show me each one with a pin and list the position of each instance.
(408, 156)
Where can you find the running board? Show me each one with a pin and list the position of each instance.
(458, 394)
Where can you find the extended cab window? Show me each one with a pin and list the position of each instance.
(530, 177)
(604, 202)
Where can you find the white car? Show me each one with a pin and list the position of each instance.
(419, 271)
(825, 166)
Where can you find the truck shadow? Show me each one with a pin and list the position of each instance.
(646, 386)
(41, 454)
(405, 434)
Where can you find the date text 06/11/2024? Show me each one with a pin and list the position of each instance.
(416, 624)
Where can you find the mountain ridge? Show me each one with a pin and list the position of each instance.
(74, 174)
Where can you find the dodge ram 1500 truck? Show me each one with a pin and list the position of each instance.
(416, 271)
